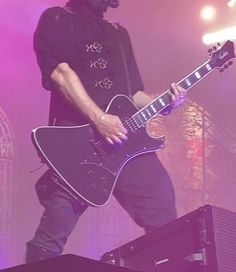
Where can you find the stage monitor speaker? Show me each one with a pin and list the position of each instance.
(67, 263)
(201, 241)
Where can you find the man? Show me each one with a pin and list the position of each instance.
(85, 61)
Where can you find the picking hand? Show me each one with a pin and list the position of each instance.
(111, 128)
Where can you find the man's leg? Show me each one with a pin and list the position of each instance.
(57, 222)
(145, 191)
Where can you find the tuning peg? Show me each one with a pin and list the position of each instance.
(214, 47)
(230, 62)
(210, 50)
(226, 66)
(221, 70)
(219, 44)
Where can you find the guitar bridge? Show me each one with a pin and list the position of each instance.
(103, 148)
(100, 147)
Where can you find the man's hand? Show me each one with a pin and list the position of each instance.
(111, 128)
(178, 96)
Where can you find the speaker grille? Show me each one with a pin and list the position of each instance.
(225, 239)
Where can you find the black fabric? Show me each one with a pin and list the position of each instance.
(62, 36)
(61, 212)
(144, 189)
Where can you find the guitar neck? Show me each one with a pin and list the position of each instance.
(163, 101)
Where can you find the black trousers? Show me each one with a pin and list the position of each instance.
(144, 190)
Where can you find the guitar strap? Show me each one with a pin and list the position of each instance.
(51, 117)
(124, 60)
(126, 69)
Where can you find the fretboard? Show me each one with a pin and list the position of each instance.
(163, 101)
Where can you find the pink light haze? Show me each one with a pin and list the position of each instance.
(167, 46)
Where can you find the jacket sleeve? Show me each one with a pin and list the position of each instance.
(50, 43)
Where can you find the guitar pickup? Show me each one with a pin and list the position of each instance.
(100, 147)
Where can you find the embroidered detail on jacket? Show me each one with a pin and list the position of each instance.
(95, 47)
(106, 83)
(99, 64)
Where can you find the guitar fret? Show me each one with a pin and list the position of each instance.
(187, 81)
(208, 67)
(194, 77)
(148, 112)
(162, 102)
(197, 75)
(153, 108)
(144, 115)
(140, 118)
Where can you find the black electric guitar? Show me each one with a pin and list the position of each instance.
(85, 164)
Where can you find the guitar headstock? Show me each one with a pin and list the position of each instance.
(221, 58)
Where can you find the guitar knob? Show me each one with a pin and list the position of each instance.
(105, 192)
(91, 173)
(93, 186)
(103, 180)
(210, 50)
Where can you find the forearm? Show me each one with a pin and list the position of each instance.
(141, 99)
(72, 89)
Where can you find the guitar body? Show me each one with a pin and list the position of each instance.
(87, 166)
